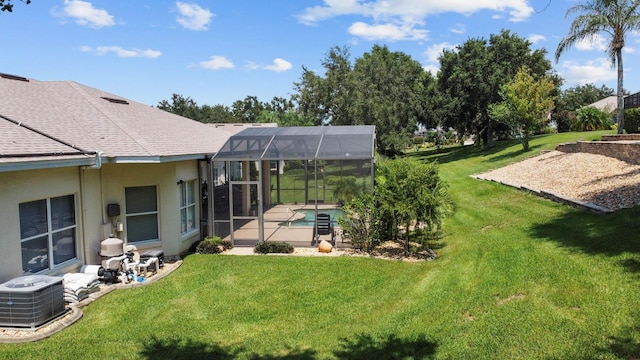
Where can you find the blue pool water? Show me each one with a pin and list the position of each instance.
(309, 216)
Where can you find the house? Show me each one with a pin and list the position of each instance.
(608, 104)
(632, 101)
(78, 165)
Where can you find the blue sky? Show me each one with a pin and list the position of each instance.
(216, 52)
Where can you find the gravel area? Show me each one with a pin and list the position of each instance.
(596, 179)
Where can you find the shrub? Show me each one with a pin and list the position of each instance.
(213, 245)
(406, 192)
(345, 187)
(273, 247)
(589, 118)
(632, 120)
(362, 222)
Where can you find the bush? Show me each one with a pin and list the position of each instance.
(345, 187)
(362, 222)
(407, 192)
(632, 120)
(273, 247)
(589, 118)
(213, 245)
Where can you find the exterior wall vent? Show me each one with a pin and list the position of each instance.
(13, 77)
(116, 101)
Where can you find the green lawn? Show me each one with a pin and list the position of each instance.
(518, 277)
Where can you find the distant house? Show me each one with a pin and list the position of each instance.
(78, 165)
(607, 104)
(632, 101)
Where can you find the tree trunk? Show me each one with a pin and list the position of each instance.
(407, 230)
(490, 134)
(620, 92)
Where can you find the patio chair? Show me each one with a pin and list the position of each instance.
(323, 226)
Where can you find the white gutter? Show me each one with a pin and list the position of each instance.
(98, 162)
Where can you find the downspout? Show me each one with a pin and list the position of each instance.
(83, 188)
(98, 162)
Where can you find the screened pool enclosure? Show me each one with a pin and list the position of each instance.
(262, 175)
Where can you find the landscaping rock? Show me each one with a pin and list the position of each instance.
(325, 247)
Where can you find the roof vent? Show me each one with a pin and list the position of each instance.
(116, 101)
(13, 77)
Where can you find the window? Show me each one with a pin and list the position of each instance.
(141, 213)
(187, 206)
(47, 233)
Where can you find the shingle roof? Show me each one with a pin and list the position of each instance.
(86, 119)
(607, 104)
(16, 141)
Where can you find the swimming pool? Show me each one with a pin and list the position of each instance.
(309, 215)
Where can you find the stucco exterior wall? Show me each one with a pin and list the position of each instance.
(23, 186)
(165, 176)
(93, 190)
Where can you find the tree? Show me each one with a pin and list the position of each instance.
(280, 105)
(180, 105)
(288, 118)
(187, 107)
(328, 99)
(616, 18)
(526, 102)
(247, 110)
(6, 5)
(462, 80)
(389, 92)
(382, 88)
(573, 99)
(217, 114)
(471, 77)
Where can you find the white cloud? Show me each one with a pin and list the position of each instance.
(594, 43)
(333, 8)
(250, 65)
(535, 38)
(123, 53)
(517, 10)
(458, 29)
(592, 71)
(433, 69)
(389, 32)
(217, 63)
(434, 51)
(279, 65)
(85, 14)
(193, 17)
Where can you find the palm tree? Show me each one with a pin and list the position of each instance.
(613, 17)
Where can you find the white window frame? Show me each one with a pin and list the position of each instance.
(132, 215)
(50, 233)
(187, 209)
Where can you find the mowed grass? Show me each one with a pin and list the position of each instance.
(518, 277)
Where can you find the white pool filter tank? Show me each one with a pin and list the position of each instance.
(110, 247)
